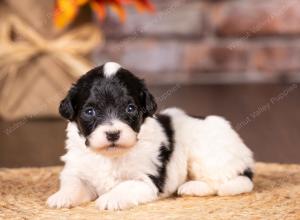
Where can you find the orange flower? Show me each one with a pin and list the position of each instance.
(66, 10)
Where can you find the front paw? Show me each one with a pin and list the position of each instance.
(59, 200)
(115, 201)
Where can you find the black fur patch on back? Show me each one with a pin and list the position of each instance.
(248, 173)
(198, 116)
(165, 152)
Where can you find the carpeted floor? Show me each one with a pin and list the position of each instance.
(276, 196)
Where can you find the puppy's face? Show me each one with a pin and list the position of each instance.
(109, 105)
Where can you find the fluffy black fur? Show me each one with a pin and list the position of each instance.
(248, 173)
(165, 152)
(94, 99)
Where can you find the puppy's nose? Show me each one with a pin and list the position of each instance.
(112, 135)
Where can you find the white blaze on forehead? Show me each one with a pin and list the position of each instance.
(111, 68)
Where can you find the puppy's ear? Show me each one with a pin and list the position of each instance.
(149, 104)
(67, 107)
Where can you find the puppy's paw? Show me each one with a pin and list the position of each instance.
(238, 185)
(115, 201)
(195, 188)
(59, 200)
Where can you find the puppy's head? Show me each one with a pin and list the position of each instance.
(109, 105)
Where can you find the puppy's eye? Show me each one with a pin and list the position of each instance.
(130, 108)
(90, 112)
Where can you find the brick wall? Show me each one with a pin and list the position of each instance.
(209, 41)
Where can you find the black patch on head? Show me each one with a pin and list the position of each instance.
(137, 88)
(78, 93)
(248, 173)
(109, 98)
(165, 152)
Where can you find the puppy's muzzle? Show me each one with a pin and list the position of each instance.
(112, 139)
(112, 136)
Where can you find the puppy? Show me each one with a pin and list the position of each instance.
(122, 154)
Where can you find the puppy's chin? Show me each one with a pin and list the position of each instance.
(113, 150)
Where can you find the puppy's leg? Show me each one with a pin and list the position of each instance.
(195, 188)
(127, 194)
(71, 193)
(238, 185)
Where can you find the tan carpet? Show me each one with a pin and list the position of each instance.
(276, 196)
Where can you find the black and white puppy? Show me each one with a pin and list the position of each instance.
(122, 155)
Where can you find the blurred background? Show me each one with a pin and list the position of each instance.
(236, 58)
